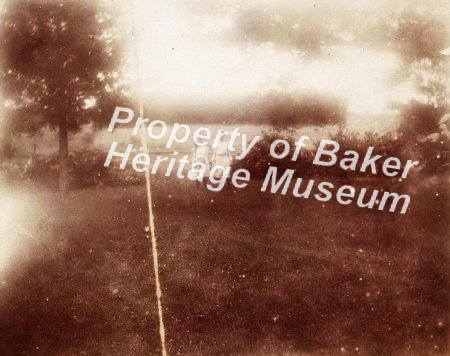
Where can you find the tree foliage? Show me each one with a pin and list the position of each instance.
(58, 59)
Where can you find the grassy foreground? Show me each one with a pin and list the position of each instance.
(243, 272)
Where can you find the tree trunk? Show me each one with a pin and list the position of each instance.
(6, 145)
(64, 178)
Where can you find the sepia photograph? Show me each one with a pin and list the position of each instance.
(260, 177)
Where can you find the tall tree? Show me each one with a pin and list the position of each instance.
(59, 61)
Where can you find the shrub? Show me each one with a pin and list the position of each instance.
(258, 160)
(86, 168)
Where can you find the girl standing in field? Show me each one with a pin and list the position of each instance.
(222, 156)
(200, 154)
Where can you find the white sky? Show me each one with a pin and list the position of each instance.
(186, 59)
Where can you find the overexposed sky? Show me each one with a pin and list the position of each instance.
(187, 56)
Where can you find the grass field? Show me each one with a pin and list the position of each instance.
(242, 272)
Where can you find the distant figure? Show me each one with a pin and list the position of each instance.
(222, 156)
(200, 155)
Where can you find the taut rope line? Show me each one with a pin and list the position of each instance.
(162, 332)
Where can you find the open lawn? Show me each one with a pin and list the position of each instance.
(242, 272)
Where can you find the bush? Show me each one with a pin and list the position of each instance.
(86, 168)
(258, 160)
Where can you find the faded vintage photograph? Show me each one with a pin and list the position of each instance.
(261, 177)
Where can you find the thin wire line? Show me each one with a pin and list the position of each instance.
(162, 332)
